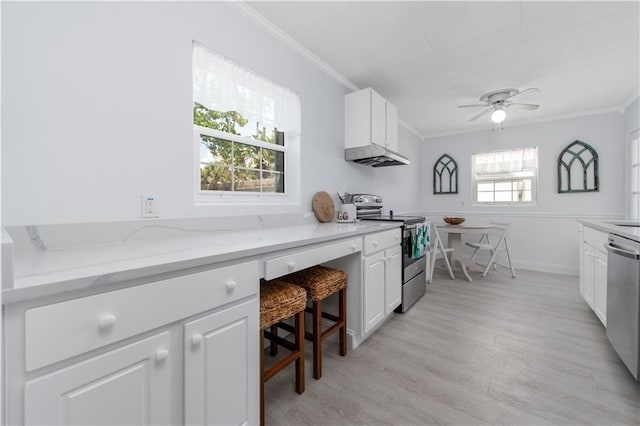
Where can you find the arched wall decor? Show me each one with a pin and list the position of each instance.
(445, 175)
(580, 161)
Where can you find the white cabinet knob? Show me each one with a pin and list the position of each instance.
(291, 265)
(161, 355)
(231, 285)
(375, 243)
(107, 321)
(397, 238)
(196, 339)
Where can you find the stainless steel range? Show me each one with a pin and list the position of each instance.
(414, 246)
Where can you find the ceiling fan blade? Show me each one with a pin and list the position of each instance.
(522, 106)
(486, 111)
(524, 92)
(474, 105)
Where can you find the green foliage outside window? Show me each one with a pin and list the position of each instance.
(237, 166)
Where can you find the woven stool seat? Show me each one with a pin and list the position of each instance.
(319, 281)
(280, 300)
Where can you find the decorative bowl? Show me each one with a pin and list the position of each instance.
(453, 220)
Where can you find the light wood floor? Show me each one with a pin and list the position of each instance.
(524, 351)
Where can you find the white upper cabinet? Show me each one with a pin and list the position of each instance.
(369, 118)
(392, 127)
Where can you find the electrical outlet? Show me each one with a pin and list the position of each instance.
(461, 203)
(150, 206)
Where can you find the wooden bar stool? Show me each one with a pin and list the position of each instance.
(321, 282)
(279, 301)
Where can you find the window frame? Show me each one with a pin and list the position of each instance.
(505, 177)
(228, 201)
(205, 196)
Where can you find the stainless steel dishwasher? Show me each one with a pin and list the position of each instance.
(623, 299)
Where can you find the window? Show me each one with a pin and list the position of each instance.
(634, 211)
(246, 132)
(506, 177)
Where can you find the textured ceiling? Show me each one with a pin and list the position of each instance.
(429, 57)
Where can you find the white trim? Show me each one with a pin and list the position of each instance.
(635, 95)
(615, 109)
(554, 268)
(238, 138)
(409, 128)
(277, 32)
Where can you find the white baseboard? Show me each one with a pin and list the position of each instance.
(553, 268)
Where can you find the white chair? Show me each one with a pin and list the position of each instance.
(493, 249)
(438, 246)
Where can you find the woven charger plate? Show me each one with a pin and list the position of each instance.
(322, 206)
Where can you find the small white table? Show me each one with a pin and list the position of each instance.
(455, 242)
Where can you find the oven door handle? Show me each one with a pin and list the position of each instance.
(626, 253)
(414, 225)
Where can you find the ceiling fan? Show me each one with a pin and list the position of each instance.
(498, 101)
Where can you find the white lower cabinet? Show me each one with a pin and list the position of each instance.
(392, 279)
(587, 274)
(600, 286)
(593, 271)
(197, 354)
(126, 386)
(374, 291)
(382, 278)
(221, 376)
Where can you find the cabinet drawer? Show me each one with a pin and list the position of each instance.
(283, 265)
(62, 330)
(595, 239)
(381, 240)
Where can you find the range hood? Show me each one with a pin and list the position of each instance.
(374, 156)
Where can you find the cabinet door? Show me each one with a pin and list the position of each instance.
(393, 279)
(600, 286)
(378, 119)
(392, 127)
(221, 367)
(127, 386)
(373, 288)
(588, 274)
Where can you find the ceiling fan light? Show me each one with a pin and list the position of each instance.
(498, 116)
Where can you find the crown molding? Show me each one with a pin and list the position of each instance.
(411, 129)
(258, 19)
(278, 33)
(518, 123)
(635, 95)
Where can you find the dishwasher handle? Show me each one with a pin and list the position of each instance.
(622, 252)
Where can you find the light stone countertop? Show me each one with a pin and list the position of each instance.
(40, 273)
(631, 230)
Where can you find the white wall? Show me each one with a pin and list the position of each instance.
(97, 110)
(543, 237)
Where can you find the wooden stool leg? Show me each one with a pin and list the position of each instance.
(342, 313)
(317, 339)
(261, 346)
(299, 342)
(273, 347)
